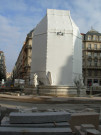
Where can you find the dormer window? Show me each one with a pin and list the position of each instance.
(94, 37)
(89, 37)
(99, 38)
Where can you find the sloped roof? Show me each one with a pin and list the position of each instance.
(93, 32)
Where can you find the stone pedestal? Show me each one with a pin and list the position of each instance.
(45, 117)
(60, 91)
(6, 123)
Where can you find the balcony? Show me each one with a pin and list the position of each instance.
(27, 66)
(92, 40)
(92, 67)
(89, 56)
(92, 49)
(92, 57)
(28, 47)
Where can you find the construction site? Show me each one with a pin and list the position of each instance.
(46, 93)
(38, 115)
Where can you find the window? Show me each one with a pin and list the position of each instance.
(89, 37)
(95, 54)
(95, 80)
(95, 73)
(100, 82)
(90, 59)
(95, 46)
(99, 38)
(89, 63)
(100, 54)
(89, 73)
(82, 46)
(89, 46)
(94, 37)
(89, 82)
(95, 63)
(83, 62)
(89, 54)
(96, 60)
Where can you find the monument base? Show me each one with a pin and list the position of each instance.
(60, 91)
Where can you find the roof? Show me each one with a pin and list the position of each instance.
(30, 33)
(93, 32)
(82, 34)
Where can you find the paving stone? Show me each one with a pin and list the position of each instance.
(34, 109)
(6, 123)
(84, 127)
(44, 117)
(5, 111)
(36, 131)
(88, 110)
(84, 118)
(49, 110)
(92, 132)
(9, 110)
(25, 110)
(78, 131)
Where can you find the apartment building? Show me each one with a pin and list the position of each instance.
(2, 66)
(91, 58)
(27, 57)
(23, 64)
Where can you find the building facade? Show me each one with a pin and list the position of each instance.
(91, 58)
(2, 66)
(22, 67)
(8, 75)
(27, 57)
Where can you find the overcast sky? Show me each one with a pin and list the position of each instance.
(18, 17)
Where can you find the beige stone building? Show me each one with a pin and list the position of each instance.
(23, 64)
(27, 57)
(2, 66)
(92, 58)
(8, 75)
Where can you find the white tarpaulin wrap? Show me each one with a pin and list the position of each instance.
(57, 49)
